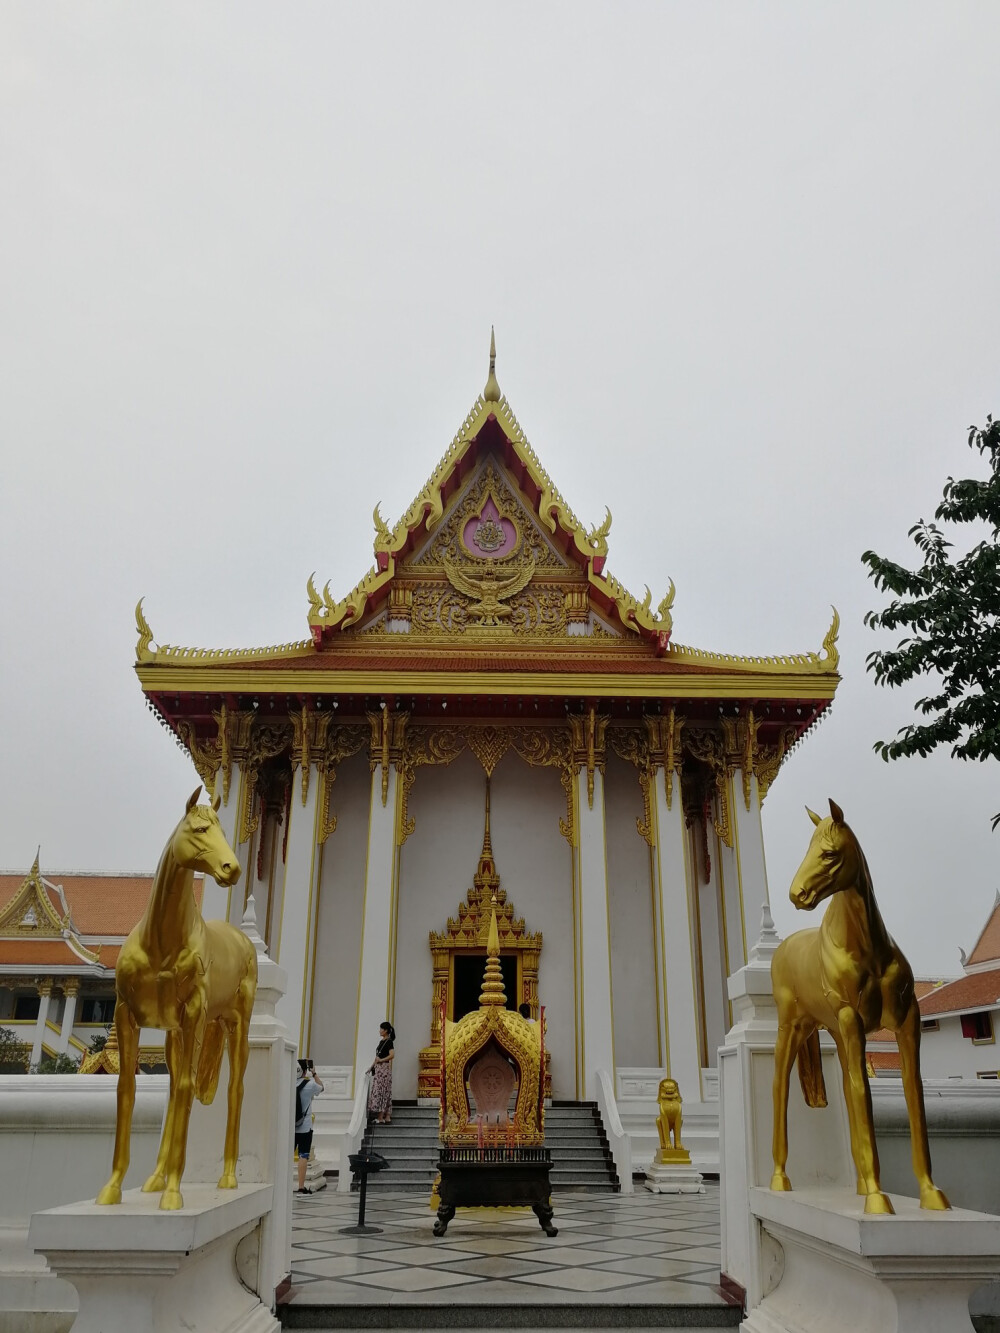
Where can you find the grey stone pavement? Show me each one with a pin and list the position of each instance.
(613, 1250)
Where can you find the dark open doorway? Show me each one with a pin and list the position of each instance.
(469, 969)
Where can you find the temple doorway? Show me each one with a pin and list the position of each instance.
(468, 982)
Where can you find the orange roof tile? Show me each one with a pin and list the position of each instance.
(981, 990)
(924, 985)
(987, 947)
(884, 1060)
(881, 1034)
(99, 904)
(41, 953)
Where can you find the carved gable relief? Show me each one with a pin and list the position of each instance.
(487, 508)
(490, 567)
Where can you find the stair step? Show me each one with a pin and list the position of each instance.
(410, 1143)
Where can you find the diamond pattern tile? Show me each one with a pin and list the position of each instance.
(636, 1249)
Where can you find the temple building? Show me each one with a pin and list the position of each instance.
(489, 655)
(60, 936)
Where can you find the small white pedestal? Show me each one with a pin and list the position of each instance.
(674, 1180)
(136, 1267)
(671, 1172)
(830, 1267)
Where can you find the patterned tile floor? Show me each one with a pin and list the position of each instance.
(638, 1249)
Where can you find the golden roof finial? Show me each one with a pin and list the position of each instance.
(491, 393)
(493, 993)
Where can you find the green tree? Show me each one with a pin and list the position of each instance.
(99, 1040)
(56, 1064)
(14, 1053)
(948, 608)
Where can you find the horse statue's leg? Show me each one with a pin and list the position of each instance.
(785, 1051)
(908, 1038)
(239, 1053)
(183, 1074)
(858, 1093)
(127, 1032)
(173, 1053)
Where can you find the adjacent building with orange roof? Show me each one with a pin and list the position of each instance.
(60, 935)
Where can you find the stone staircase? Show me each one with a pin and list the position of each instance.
(581, 1159)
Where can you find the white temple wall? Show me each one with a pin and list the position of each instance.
(535, 865)
(437, 865)
(638, 1041)
(333, 1008)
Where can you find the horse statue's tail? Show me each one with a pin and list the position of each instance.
(811, 1071)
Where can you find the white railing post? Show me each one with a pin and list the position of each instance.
(618, 1140)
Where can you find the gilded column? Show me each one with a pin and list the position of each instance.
(675, 921)
(293, 911)
(219, 904)
(45, 994)
(378, 921)
(593, 923)
(71, 990)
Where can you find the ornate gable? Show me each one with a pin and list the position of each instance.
(31, 911)
(498, 533)
(489, 566)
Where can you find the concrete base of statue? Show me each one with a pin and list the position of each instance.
(137, 1267)
(829, 1267)
(671, 1172)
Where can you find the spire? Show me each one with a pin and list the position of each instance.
(487, 844)
(492, 391)
(486, 879)
(493, 993)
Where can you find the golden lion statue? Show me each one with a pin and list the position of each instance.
(669, 1123)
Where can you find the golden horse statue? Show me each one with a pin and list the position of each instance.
(195, 978)
(850, 978)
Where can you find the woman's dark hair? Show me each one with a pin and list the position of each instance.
(388, 1028)
(303, 1065)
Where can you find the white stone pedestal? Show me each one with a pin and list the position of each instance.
(315, 1178)
(673, 1178)
(829, 1267)
(136, 1267)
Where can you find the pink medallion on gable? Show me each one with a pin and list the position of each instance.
(488, 534)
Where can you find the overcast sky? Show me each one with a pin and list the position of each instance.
(743, 266)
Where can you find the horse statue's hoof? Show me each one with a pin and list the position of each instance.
(155, 1184)
(110, 1194)
(171, 1200)
(227, 1181)
(779, 1181)
(879, 1203)
(934, 1199)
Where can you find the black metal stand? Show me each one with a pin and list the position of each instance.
(363, 1163)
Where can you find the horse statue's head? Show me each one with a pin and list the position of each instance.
(832, 863)
(198, 842)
